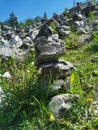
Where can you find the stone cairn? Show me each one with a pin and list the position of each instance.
(48, 50)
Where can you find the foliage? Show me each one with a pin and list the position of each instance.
(71, 41)
(13, 22)
(53, 26)
(91, 15)
(45, 15)
(29, 22)
(37, 19)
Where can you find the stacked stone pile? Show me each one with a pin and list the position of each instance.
(48, 51)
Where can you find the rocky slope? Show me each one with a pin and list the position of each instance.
(47, 41)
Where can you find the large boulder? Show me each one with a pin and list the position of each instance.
(61, 103)
(47, 50)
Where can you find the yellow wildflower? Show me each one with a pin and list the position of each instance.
(52, 118)
(89, 100)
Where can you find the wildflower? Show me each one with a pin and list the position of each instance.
(89, 100)
(51, 117)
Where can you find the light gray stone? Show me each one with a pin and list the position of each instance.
(33, 33)
(45, 31)
(81, 31)
(47, 50)
(84, 38)
(7, 52)
(57, 69)
(6, 75)
(57, 85)
(79, 23)
(60, 103)
(7, 28)
(64, 30)
(15, 41)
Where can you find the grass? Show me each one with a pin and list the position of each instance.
(26, 100)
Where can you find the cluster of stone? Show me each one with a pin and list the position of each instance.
(17, 42)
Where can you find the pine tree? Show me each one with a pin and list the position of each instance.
(45, 15)
(13, 22)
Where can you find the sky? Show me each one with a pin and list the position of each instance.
(25, 9)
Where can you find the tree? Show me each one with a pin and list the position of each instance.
(13, 22)
(45, 15)
(6, 22)
(29, 22)
(37, 19)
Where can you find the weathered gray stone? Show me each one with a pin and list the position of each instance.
(95, 105)
(7, 28)
(33, 33)
(7, 52)
(45, 31)
(27, 40)
(64, 33)
(23, 54)
(84, 38)
(81, 31)
(64, 30)
(15, 41)
(6, 75)
(60, 85)
(47, 50)
(27, 43)
(60, 103)
(56, 86)
(22, 35)
(57, 69)
(79, 23)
